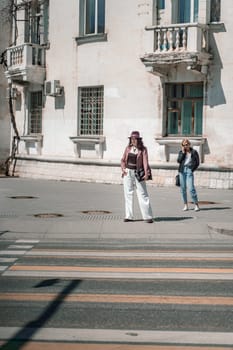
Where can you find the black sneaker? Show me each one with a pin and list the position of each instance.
(128, 220)
(149, 221)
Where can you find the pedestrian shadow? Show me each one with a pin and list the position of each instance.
(172, 218)
(20, 339)
(215, 208)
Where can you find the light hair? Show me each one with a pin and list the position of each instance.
(186, 141)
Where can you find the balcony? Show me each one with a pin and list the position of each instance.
(26, 64)
(175, 44)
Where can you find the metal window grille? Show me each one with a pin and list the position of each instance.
(91, 106)
(35, 113)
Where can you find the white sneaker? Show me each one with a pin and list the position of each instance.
(197, 208)
(185, 208)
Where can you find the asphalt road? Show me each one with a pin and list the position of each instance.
(64, 294)
(85, 280)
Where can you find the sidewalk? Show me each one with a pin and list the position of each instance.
(52, 210)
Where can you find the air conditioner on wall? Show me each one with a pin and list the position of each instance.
(53, 88)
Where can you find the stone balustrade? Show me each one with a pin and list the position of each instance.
(180, 37)
(26, 62)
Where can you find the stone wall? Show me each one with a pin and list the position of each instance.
(90, 171)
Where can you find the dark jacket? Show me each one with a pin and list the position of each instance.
(194, 160)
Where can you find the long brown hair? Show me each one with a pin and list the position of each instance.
(140, 144)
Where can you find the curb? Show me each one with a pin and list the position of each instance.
(221, 228)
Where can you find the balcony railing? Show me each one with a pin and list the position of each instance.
(26, 63)
(190, 37)
(178, 43)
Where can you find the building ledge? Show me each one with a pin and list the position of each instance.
(167, 143)
(32, 141)
(92, 38)
(114, 163)
(94, 141)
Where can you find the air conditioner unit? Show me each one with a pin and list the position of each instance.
(53, 88)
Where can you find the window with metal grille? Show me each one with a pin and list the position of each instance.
(184, 109)
(91, 107)
(35, 113)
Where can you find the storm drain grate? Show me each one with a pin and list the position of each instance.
(99, 217)
(8, 215)
(92, 215)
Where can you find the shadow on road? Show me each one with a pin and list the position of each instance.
(31, 328)
(172, 218)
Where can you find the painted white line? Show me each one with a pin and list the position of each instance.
(121, 275)
(3, 268)
(14, 246)
(115, 335)
(5, 260)
(27, 241)
(130, 254)
(12, 252)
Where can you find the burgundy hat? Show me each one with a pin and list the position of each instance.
(135, 134)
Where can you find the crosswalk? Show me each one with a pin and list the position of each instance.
(124, 299)
(20, 248)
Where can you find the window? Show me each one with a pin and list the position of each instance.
(215, 11)
(185, 11)
(184, 109)
(91, 107)
(161, 4)
(92, 17)
(36, 22)
(35, 113)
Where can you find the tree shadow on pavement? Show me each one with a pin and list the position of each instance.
(24, 335)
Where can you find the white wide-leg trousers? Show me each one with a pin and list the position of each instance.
(129, 183)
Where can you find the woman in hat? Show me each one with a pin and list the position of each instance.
(188, 160)
(136, 157)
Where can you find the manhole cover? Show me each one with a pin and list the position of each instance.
(22, 197)
(95, 212)
(47, 215)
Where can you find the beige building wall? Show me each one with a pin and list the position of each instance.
(133, 95)
(5, 129)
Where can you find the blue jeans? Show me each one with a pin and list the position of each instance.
(187, 181)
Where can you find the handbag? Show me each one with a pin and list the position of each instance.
(177, 180)
(140, 173)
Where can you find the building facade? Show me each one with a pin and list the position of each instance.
(5, 120)
(89, 72)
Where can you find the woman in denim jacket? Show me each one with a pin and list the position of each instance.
(188, 160)
(136, 157)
